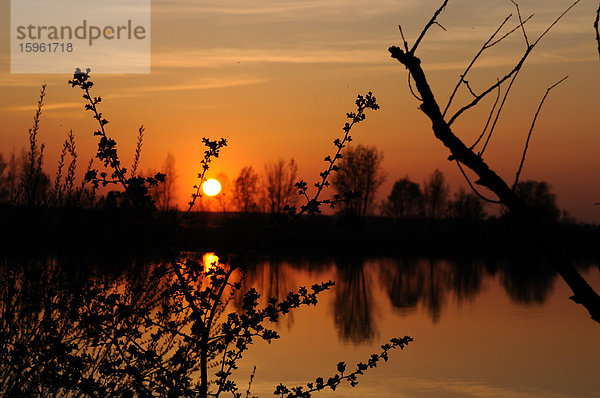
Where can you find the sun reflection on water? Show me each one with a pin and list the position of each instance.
(210, 261)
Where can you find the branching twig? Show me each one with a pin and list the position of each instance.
(515, 70)
(499, 111)
(352, 377)
(138, 151)
(472, 186)
(488, 44)
(531, 130)
(466, 82)
(487, 123)
(521, 22)
(429, 24)
(403, 38)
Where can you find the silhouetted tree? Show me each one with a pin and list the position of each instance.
(279, 185)
(405, 201)
(435, 195)
(360, 172)
(246, 190)
(466, 205)
(542, 202)
(9, 180)
(4, 192)
(224, 198)
(165, 194)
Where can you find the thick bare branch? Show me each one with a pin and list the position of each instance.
(487, 177)
(531, 130)
(583, 292)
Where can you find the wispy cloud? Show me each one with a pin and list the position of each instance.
(205, 84)
(219, 57)
(289, 8)
(47, 107)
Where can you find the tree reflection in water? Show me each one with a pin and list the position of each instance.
(353, 303)
(68, 326)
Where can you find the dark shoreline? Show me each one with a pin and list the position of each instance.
(120, 230)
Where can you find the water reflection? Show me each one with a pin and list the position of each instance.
(409, 283)
(353, 302)
(60, 333)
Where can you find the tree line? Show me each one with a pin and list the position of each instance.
(358, 180)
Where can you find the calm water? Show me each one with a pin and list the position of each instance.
(482, 328)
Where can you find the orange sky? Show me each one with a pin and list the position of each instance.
(276, 79)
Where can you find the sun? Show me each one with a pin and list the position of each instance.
(211, 187)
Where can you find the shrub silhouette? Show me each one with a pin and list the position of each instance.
(160, 338)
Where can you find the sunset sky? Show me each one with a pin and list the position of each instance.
(276, 78)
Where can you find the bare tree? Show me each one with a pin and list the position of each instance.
(466, 205)
(279, 185)
(360, 173)
(246, 192)
(224, 198)
(538, 197)
(435, 195)
(3, 185)
(464, 155)
(405, 200)
(165, 194)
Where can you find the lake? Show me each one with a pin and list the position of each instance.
(482, 327)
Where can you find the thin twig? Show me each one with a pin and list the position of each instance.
(250, 383)
(499, 111)
(441, 26)
(531, 130)
(521, 22)
(138, 151)
(510, 31)
(483, 48)
(470, 89)
(487, 123)
(403, 38)
(429, 24)
(514, 71)
(413, 91)
(555, 22)
(473, 187)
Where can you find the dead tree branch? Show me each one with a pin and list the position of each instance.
(531, 130)
(583, 292)
(515, 70)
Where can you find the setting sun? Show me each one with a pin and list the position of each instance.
(211, 187)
